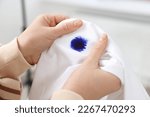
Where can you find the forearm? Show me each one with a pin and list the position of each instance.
(12, 62)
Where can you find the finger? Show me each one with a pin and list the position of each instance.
(98, 50)
(66, 27)
(57, 19)
(53, 20)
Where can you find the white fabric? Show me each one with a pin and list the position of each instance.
(57, 63)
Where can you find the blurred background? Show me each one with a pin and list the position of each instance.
(126, 21)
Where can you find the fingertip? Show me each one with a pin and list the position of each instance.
(104, 35)
(77, 23)
(67, 26)
(104, 38)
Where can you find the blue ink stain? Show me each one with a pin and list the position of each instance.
(79, 43)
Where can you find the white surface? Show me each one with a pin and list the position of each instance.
(10, 19)
(136, 10)
(138, 7)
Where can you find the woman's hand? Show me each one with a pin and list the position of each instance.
(40, 35)
(89, 80)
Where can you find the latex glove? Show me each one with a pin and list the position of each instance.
(89, 80)
(40, 35)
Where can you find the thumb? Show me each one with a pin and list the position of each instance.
(98, 50)
(66, 27)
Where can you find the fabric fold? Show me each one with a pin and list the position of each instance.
(69, 51)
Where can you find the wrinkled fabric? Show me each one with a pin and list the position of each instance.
(57, 63)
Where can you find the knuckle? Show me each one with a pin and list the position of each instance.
(97, 49)
(66, 27)
(56, 32)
